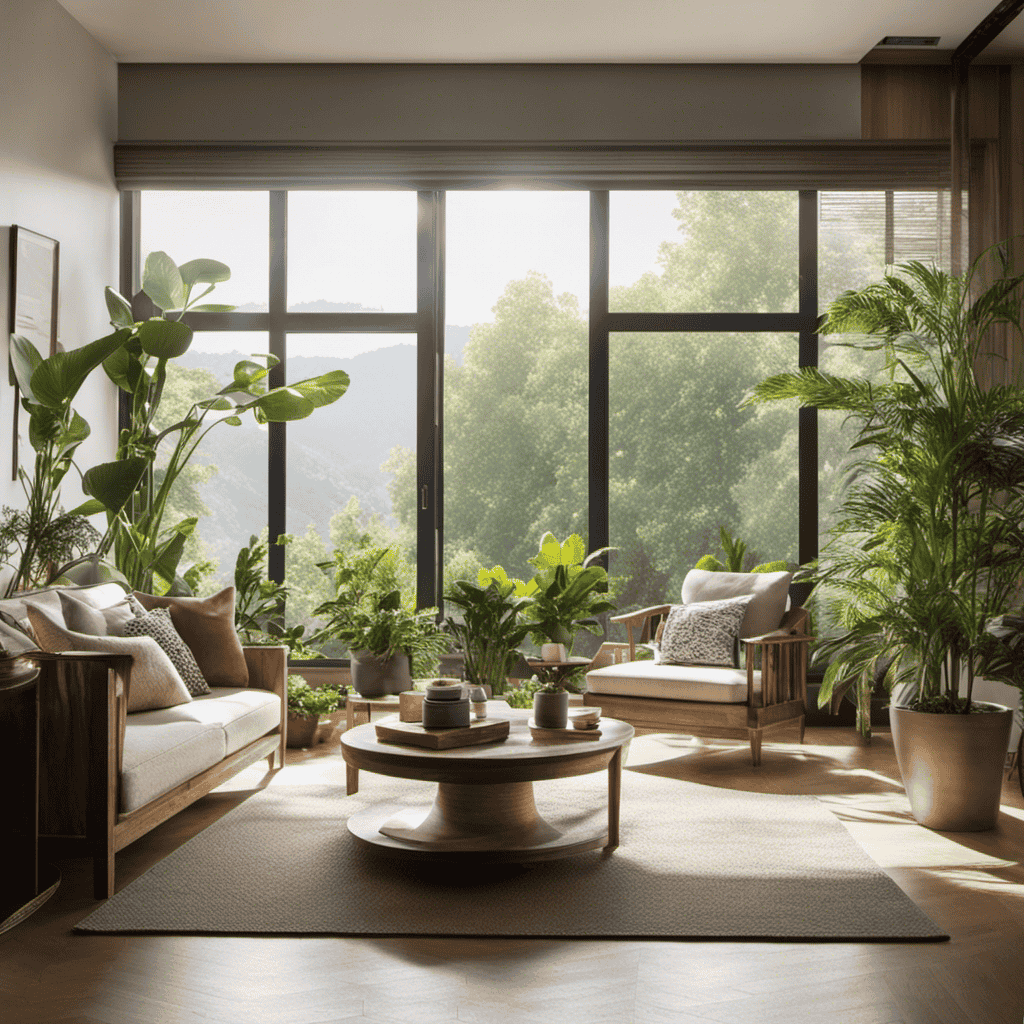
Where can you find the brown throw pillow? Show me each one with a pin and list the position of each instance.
(207, 625)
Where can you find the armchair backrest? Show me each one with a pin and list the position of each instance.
(765, 611)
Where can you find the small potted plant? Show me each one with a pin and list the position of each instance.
(550, 704)
(368, 616)
(309, 709)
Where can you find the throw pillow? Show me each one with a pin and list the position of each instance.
(207, 625)
(15, 635)
(158, 625)
(155, 682)
(137, 609)
(702, 633)
(83, 612)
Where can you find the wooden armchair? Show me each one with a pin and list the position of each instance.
(727, 702)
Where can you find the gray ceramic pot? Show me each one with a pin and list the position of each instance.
(551, 710)
(952, 765)
(378, 677)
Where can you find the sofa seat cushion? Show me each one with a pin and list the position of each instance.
(163, 749)
(713, 684)
(242, 713)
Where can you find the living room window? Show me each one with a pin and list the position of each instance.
(596, 349)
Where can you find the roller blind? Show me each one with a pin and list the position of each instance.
(772, 165)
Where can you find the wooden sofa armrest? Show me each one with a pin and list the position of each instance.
(268, 670)
(640, 620)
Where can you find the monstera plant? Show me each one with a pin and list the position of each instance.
(133, 490)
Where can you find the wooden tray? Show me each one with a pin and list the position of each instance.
(558, 735)
(413, 734)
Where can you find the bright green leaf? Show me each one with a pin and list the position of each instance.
(165, 339)
(113, 483)
(88, 507)
(211, 307)
(25, 358)
(56, 380)
(325, 389)
(119, 308)
(162, 282)
(283, 404)
(205, 271)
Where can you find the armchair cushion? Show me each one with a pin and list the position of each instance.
(702, 632)
(770, 591)
(710, 684)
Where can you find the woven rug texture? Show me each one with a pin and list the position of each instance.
(694, 862)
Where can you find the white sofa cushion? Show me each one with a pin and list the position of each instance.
(161, 752)
(243, 713)
(169, 746)
(673, 682)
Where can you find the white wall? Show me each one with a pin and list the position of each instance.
(58, 121)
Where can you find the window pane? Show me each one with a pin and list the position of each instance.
(232, 227)
(225, 482)
(352, 464)
(350, 252)
(703, 252)
(685, 460)
(860, 236)
(515, 389)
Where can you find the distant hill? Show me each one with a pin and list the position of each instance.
(334, 454)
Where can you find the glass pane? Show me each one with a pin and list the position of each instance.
(225, 482)
(686, 461)
(515, 388)
(351, 252)
(860, 236)
(703, 252)
(352, 464)
(232, 227)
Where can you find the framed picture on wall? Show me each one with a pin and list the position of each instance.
(35, 268)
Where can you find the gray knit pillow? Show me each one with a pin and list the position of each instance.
(703, 632)
(158, 625)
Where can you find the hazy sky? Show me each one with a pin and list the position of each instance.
(361, 247)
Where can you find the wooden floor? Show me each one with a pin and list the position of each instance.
(969, 884)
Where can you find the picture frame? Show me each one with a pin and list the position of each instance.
(34, 295)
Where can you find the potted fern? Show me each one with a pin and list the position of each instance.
(928, 550)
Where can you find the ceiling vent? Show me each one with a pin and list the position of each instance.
(910, 41)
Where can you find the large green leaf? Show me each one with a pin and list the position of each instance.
(206, 271)
(44, 426)
(119, 308)
(56, 380)
(25, 358)
(325, 389)
(161, 281)
(281, 405)
(164, 339)
(116, 366)
(165, 564)
(113, 483)
(77, 431)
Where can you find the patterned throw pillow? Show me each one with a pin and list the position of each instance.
(703, 632)
(158, 625)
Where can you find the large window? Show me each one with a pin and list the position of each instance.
(524, 361)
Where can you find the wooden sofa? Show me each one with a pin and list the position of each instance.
(768, 693)
(85, 730)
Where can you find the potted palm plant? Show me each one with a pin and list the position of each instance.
(928, 549)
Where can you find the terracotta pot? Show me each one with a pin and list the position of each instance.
(377, 677)
(551, 710)
(952, 765)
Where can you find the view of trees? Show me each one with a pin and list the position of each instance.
(685, 458)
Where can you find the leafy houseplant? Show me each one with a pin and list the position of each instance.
(368, 616)
(734, 550)
(567, 591)
(489, 629)
(307, 706)
(928, 549)
(132, 490)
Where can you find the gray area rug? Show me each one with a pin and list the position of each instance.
(694, 862)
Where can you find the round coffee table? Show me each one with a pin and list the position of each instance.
(484, 801)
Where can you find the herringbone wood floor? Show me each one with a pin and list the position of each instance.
(971, 885)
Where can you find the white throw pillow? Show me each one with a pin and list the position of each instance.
(155, 682)
(703, 632)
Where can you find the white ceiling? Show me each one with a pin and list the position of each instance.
(571, 31)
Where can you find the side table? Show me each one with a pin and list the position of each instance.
(27, 885)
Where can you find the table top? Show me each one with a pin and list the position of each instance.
(520, 745)
(389, 700)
